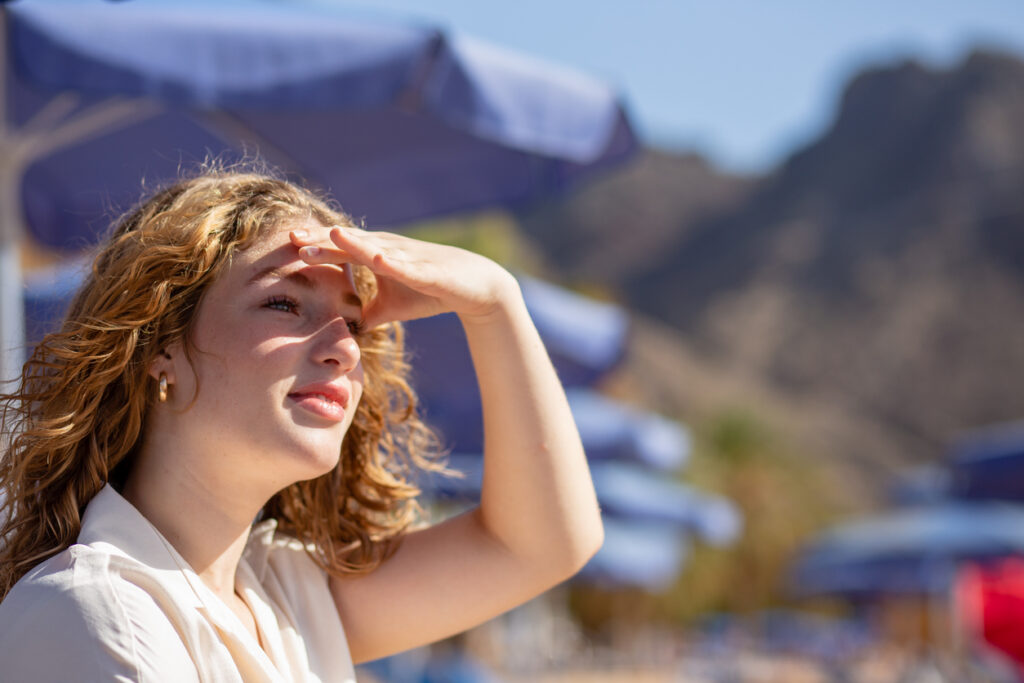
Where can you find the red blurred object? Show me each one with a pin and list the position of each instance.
(991, 602)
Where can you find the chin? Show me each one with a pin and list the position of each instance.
(308, 453)
(319, 459)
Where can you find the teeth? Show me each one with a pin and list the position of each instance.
(323, 398)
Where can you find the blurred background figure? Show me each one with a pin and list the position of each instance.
(776, 252)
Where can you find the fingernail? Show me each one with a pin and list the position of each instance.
(309, 251)
(301, 234)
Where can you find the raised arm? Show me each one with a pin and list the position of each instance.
(538, 521)
(537, 497)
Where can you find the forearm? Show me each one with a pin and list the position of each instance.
(537, 498)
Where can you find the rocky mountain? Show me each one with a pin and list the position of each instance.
(610, 231)
(877, 274)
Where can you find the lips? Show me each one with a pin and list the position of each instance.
(328, 401)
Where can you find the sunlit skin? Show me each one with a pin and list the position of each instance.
(283, 316)
(260, 340)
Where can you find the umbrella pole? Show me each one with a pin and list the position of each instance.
(12, 305)
(12, 315)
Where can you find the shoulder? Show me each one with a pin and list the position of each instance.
(77, 616)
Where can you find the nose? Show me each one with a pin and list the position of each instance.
(336, 346)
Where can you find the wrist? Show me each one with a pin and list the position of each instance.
(506, 299)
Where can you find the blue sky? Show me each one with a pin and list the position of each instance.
(742, 81)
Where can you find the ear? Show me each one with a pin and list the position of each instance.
(166, 362)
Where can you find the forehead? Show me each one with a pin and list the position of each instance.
(274, 250)
(275, 242)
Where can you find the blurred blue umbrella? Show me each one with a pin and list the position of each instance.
(585, 340)
(624, 491)
(988, 464)
(619, 432)
(640, 554)
(445, 381)
(47, 295)
(397, 121)
(584, 337)
(908, 551)
(921, 485)
(633, 492)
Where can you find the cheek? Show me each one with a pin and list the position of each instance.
(222, 328)
(358, 379)
(227, 354)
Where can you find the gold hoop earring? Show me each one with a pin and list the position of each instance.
(163, 388)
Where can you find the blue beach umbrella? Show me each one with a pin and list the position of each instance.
(398, 121)
(630, 491)
(637, 551)
(912, 551)
(584, 337)
(920, 485)
(988, 464)
(625, 492)
(444, 379)
(47, 295)
(616, 431)
(640, 554)
(649, 521)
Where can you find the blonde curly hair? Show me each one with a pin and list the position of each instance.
(78, 415)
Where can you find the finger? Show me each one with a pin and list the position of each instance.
(301, 236)
(355, 242)
(317, 254)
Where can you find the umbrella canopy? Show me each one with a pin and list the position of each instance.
(638, 554)
(625, 492)
(624, 433)
(633, 492)
(396, 121)
(644, 546)
(444, 380)
(910, 551)
(988, 464)
(584, 337)
(921, 485)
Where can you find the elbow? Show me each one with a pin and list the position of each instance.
(587, 543)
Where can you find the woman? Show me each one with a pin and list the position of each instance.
(235, 355)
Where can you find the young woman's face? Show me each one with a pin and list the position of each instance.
(278, 366)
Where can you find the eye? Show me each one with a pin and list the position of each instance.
(281, 303)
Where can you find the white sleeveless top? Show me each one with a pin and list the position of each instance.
(122, 605)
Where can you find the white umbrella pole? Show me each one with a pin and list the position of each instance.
(12, 306)
(12, 314)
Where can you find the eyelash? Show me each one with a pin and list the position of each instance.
(354, 326)
(282, 301)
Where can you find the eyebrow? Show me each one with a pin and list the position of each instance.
(300, 279)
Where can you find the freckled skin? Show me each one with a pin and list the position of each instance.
(260, 341)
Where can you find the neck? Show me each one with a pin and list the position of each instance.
(205, 518)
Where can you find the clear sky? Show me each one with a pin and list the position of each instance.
(743, 81)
